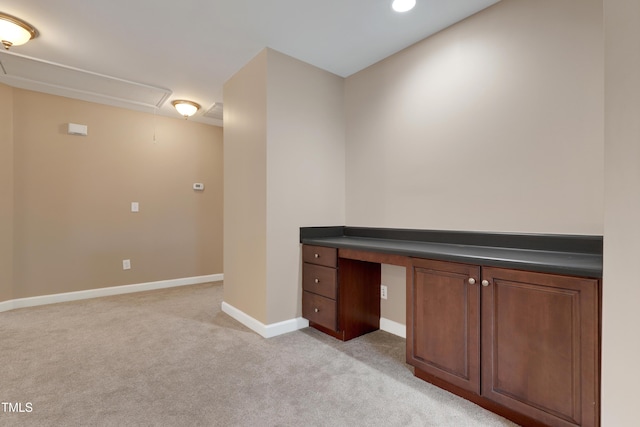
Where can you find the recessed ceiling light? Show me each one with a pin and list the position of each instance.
(403, 5)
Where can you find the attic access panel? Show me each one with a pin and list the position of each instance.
(26, 72)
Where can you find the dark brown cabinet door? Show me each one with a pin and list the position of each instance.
(443, 321)
(540, 347)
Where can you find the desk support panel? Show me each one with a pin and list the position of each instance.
(359, 297)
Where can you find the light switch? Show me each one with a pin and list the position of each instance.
(134, 207)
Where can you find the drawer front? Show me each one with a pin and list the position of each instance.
(320, 310)
(320, 280)
(320, 255)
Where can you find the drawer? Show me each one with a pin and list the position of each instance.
(320, 255)
(320, 310)
(320, 280)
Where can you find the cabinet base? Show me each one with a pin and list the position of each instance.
(341, 335)
(487, 404)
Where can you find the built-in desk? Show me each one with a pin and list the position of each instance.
(508, 321)
(573, 255)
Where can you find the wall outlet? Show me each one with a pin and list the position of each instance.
(135, 207)
(383, 291)
(126, 264)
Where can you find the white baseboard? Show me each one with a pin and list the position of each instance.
(275, 329)
(6, 305)
(392, 327)
(266, 331)
(103, 292)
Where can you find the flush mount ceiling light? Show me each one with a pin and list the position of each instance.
(14, 31)
(185, 108)
(403, 5)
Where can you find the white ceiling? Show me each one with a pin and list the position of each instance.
(189, 48)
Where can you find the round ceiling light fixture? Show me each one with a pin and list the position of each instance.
(185, 108)
(403, 5)
(14, 31)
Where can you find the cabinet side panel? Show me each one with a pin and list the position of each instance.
(358, 297)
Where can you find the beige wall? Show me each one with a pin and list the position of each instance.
(394, 307)
(494, 124)
(73, 225)
(305, 170)
(6, 193)
(621, 317)
(245, 189)
(284, 168)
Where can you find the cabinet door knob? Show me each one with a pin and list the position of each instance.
(472, 281)
(316, 310)
(316, 255)
(317, 280)
(485, 283)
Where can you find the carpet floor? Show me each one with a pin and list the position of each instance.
(172, 358)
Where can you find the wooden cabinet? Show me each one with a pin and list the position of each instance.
(540, 345)
(340, 297)
(519, 343)
(443, 335)
(320, 286)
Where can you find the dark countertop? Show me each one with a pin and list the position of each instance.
(560, 254)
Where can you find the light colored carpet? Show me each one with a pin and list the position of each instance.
(172, 358)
